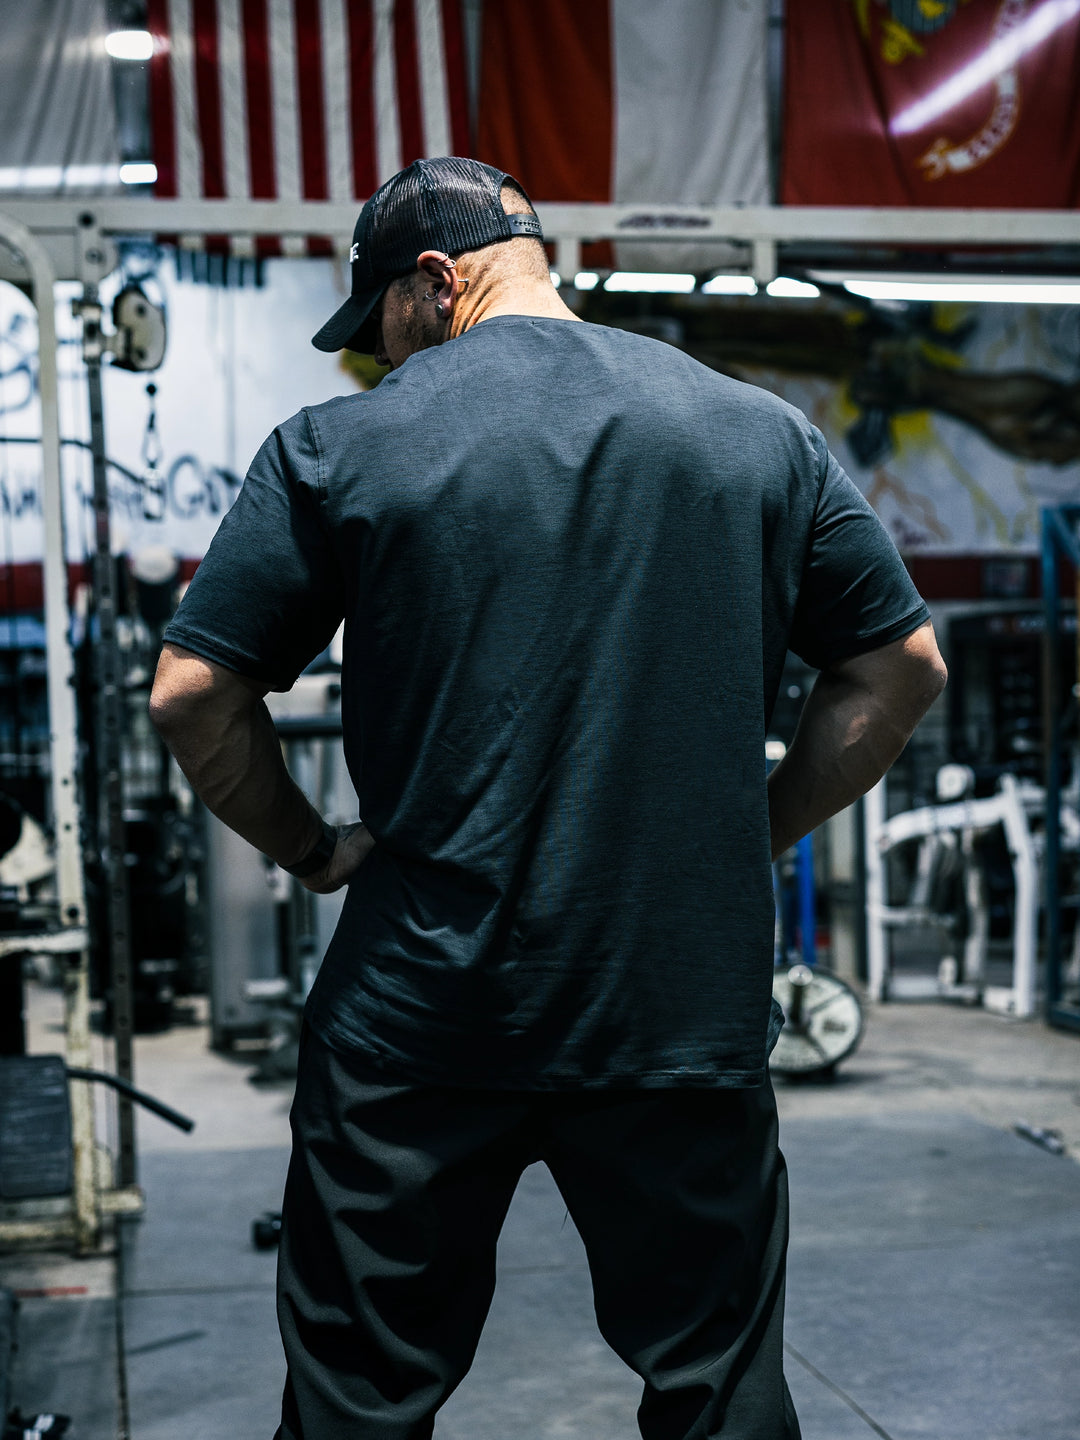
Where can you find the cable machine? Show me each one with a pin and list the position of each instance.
(54, 1186)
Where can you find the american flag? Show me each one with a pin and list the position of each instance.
(301, 100)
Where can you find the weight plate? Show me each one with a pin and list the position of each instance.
(829, 1029)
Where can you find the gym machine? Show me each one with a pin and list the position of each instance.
(56, 1182)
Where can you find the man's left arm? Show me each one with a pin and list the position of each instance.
(217, 726)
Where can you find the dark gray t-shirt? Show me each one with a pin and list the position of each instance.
(570, 561)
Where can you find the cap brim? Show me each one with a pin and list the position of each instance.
(352, 327)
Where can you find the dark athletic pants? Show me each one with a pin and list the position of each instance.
(394, 1201)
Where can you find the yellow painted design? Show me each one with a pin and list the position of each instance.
(862, 17)
(941, 356)
(950, 315)
(897, 42)
(912, 430)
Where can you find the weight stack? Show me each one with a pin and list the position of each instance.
(35, 1127)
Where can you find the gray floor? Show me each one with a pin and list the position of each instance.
(934, 1285)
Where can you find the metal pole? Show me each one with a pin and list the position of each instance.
(1026, 904)
(804, 873)
(1052, 752)
(63, 745)
(877, 945)
(108, 740)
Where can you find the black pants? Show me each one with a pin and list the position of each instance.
(393, 1206)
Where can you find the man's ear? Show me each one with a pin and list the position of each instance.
(442, 287)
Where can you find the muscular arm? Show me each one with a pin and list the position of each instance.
(218, 728)
(856, 720)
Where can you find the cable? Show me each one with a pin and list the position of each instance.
(79, 445)
(106, 1077)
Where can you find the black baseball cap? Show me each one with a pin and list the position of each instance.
(449, 204)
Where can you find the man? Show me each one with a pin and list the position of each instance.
(570, 562)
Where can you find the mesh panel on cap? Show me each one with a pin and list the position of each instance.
(449, 204)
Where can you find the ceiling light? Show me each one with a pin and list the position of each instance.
(1002, 292)
(556, 278)
(586, 280)
(130, 44)
(730, 285)
(785, 288)
(650, 282)
(57, 177)
(138, 172)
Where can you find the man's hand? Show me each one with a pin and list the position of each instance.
(354, 845)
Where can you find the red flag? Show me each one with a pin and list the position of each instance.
(932, 102)
(615, 100)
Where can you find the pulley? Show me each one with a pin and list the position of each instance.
(139, 341)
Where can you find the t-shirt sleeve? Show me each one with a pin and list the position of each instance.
(267, 598)
(855, 593)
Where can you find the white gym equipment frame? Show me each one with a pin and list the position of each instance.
(1013, 807)
(77, 1218)
(76, 231)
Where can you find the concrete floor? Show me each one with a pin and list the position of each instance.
(934, 1275)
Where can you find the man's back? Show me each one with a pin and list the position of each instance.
(570, 562)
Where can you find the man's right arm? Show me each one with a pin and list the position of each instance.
(856, 721)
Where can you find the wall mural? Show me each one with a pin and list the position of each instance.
(958, 423)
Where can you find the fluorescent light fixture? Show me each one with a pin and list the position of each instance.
(586, 280)
(138, 172)
(730, 285)
(556, 278)
(784, 288)
(130, 44)
(1002, 292)
(647, 282)
(1000, 55)
(57, 177)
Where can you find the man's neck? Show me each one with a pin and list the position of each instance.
(522, 299)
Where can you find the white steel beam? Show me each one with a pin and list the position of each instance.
(757, 226)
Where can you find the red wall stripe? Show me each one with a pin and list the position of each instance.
(312, 105)
(456, 78)
(208, 96)
(260, 124)
(162, 115)
(407, 62)
(362, 97)
(937, 577)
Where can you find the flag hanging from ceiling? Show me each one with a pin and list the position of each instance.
(963, 103)
(57, 118)
(627, 100)
(302, 99)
